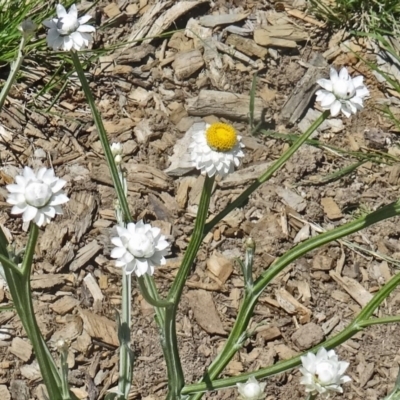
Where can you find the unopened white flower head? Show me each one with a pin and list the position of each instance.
(67, 31)
(139, 248)
(37, 195)
(342, 93)
(27, 27)
(323, 372)
(216, 149)
(251, 390)
(116, 150)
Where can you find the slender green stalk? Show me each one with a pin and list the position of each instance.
(154, 301)
(28, 319)
(7, 263)
(359, 323)
(103, 137)
(63, 349)
(170, 344)
(15, 66)
(236, 336)
(111, 165)
(267, 174)
(379, 321)
(125, 365)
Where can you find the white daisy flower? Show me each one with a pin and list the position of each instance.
(139, 248)
(342, 93)
(216, 149)
(323, 372)
(67, 31)
(37, 196)
(251, 390)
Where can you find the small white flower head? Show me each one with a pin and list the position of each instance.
(342, 93)
(67, 31)
(323, 372)
(139, 248)
(27, 27)
(37, 195)
(251, 390)
(117, 151)
(216, 149)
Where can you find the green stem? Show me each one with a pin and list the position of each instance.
(64, 374)
(125, 366)
(111, 163)
(267, 174)
(250, 300)
(46, 363)
(103, 137)
(154, 301)
(7, 263)
(379, 321)
(15, 66)
(195, 391)
(170, 344)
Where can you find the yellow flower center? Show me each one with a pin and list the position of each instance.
(221, 137)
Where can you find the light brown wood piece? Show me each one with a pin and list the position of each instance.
(263, 38)
(165, 20)
(220, 267)
(303, 16)
(84, 255)
(331, 209)
(64, 305)
(21, 348)
(224, 104)
(99, 327)
(292, 306)
(187, 63)
(353, 288)
(93, 288)
(301, 96)
(211, 21)
(247, 46)
(111, 10)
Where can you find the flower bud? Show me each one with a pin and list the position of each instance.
(27, 27)
(251, 390)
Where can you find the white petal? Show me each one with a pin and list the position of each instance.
(58, 199)
(85, 18)
(50, 23)
(118, 252)
(40, 219)
(67, 43)
(77, 39)
(131, 267)
(15, 188)
(86, 29)
(343, 74)
(40, 173)
(61, 11)
(116, 241)
(29, 214)
(28, 174)
(48, 211)
(73, 12)
(362, 92)
(328, 100)
(358, 81)
(333, 75)
(326, 84)
(335, 108)
(58, 43)
(346, 110)
(18, 209)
